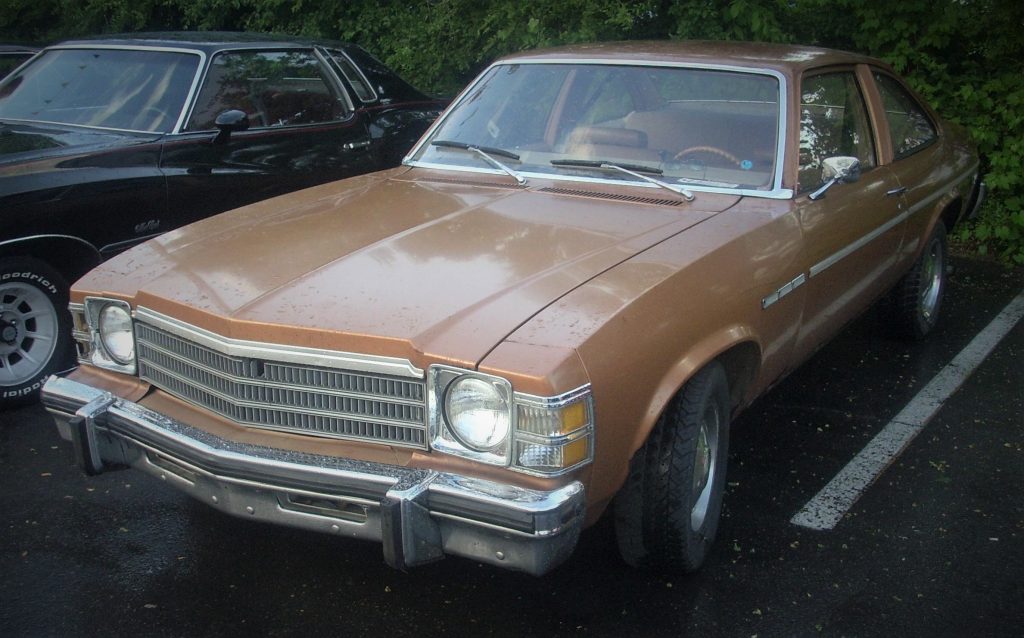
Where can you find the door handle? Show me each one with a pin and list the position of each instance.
(897, 191)
(351, 146)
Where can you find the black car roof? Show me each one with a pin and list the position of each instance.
(207, 41)
(386, 82)
(17, 48)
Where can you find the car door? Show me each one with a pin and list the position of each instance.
(852, 233)
(303, 130)
(917, 158)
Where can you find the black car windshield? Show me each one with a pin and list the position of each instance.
(697, 126)
(124, 89)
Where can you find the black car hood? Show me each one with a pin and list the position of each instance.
(25, 143)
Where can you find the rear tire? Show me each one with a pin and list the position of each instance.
(917, 298)
(35, 328)
(667, 512)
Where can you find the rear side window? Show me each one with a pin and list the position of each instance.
(355, 77)
(909, 126)
(274, 88)
(833, 123)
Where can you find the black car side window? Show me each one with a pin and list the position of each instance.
(909, 127)
(355, 77)
(274, 88)
(833, 122)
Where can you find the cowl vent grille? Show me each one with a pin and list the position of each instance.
(469, 182)
(613, 196)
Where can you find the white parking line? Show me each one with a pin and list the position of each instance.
(829, 505)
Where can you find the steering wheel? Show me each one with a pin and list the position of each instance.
(714, 150)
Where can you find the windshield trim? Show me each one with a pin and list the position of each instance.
(782, 193)
(776, 191)
(189, 97)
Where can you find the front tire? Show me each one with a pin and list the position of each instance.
(666, 515)
(35, 330)
(918, 296)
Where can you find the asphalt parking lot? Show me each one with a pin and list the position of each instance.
(935, 547)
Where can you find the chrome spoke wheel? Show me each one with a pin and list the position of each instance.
(29, 329)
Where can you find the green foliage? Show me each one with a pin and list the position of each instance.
(966, 57)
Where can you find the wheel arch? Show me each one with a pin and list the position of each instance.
(71, 256)
(736, 348)
(946, 211)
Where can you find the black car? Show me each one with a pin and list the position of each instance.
(107, 142)
(12, 56)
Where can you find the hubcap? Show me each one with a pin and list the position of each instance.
(28, 332)
(932, 271)
(705, 466)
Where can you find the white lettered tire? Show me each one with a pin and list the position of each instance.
(35, 328)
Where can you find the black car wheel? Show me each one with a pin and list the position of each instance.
(917, 298)
(666, 514)
(35, 331)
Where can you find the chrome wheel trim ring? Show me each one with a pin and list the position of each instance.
(705, 466)
(932, 272)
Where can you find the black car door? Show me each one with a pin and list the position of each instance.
(303, 130)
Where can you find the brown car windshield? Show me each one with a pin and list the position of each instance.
(124, 89)
(708, 127)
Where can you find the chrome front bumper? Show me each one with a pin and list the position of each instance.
(418, 515)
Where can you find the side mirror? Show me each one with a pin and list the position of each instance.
(837, 170)
(228, 122)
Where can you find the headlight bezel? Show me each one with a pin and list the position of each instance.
(100, 354)
(443, 438)
(572, 444)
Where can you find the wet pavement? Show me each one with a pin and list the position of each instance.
(934, 548)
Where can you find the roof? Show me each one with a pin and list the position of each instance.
(784, 58)
(203, 40)
(17, 48)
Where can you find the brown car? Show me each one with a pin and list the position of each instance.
(592, 261)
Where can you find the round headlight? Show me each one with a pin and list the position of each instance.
(478, 413)
(116, 334)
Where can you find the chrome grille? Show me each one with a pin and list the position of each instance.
(285, 396)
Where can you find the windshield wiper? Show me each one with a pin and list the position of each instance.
(486, 152)
(487, 149)
(636, 170)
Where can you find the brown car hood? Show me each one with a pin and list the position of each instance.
(401, 264)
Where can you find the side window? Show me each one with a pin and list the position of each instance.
(909, 127)
(833, 122)
(275, 88)
(355, 77)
